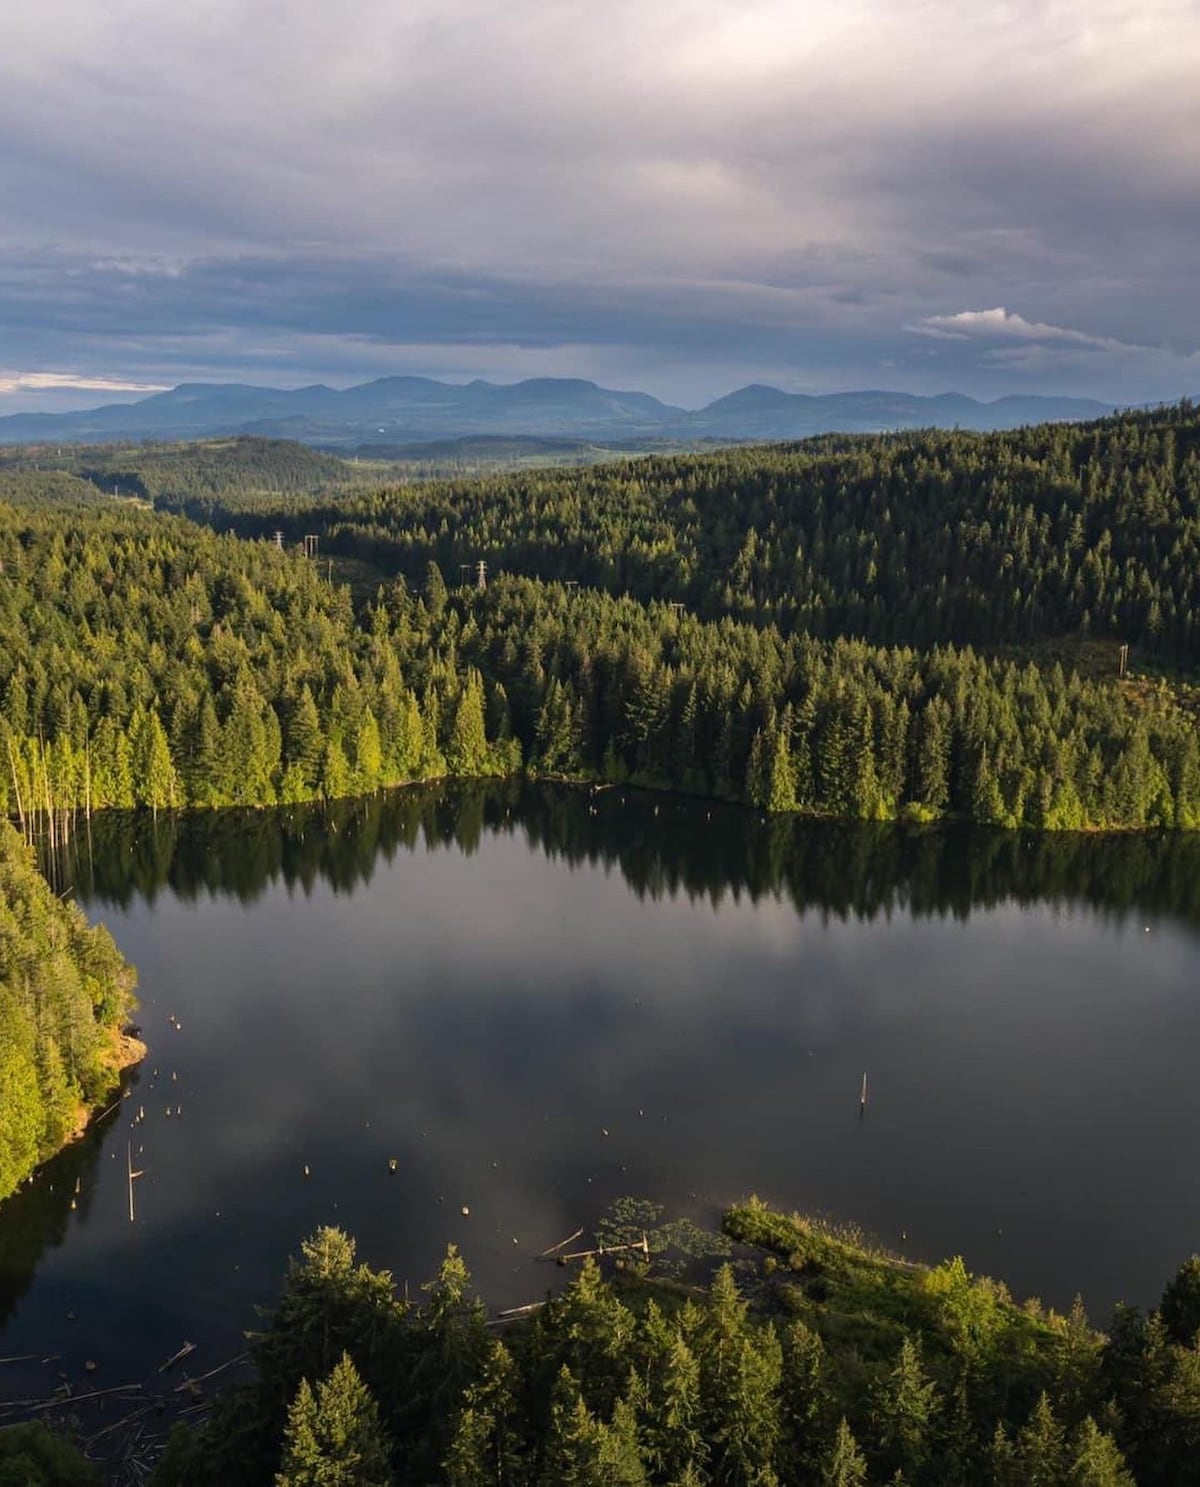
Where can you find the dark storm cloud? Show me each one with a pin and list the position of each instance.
(681, 194)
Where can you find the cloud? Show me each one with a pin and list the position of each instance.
(801, 182)
(1008, 325)
(69, 381)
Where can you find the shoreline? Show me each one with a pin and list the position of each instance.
(906, 817)
(127, 1052)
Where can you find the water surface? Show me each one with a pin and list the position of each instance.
(537, 1001)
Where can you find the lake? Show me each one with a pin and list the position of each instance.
(538, 1000)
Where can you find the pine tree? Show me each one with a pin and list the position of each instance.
(368, 753)
(558, 734)
(484, 1447)
(154, 773)
(672, 1409)
(1095, 1459)
(805, 1396)
(452, 1347)
(1041, 1447)
(596, 1332)
(844, 1464)
(302, 739)
(618, 1457)
(201, 769)
(334, 1439)
(758, 770)
(1003, 1470)
(336, 777)
(467, 749)
(958, 1456)
(1180, 1306)
(903, 1410)
(740, 1376)
(781, 790)
(436, 594)
(571, 1446)
(932, 771)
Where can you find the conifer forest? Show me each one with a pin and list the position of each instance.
(1000, 629)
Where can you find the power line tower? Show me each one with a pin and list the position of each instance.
(279, 541)
(310, 544)
(481, 575)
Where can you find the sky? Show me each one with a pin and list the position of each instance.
(680, 196)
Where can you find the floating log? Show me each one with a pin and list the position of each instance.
(188, 1347)
(120, 1424)
(562, 1244)
(57, 1398)
(608, 1249)
(133, 1174)
(212, 1373)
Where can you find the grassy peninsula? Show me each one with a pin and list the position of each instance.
(802, 1359)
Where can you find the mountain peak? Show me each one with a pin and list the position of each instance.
(410, 409)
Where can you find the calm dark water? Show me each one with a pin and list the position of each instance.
(482, 983)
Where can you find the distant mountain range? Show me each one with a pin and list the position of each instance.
(403, 410)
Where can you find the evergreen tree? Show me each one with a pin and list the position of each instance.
(805, 1398)
(675, 1441)
(903, 1413)
(32, 1455)
(1095, 1460)
(1180, 1306)
(844, 1464)
(334, 1439)
(1041, 1447)
(368, 753)
(467, 749)
(484, 1447)
(302, 740)
(154, 773)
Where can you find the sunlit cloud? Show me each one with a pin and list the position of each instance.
(1008, 325)
(11, 382)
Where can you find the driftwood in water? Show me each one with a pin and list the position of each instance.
(514, 1314)
(120, 1424)
(562, 1244)
(188, 1347)
(212, 1373)
(607, 1249)
(58, 1398)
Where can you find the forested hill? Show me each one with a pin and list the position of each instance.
(992, 540)
(64, 992)
(145, 660)
(417, 409)
(192, 471)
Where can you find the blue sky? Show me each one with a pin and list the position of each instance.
(676, 195)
